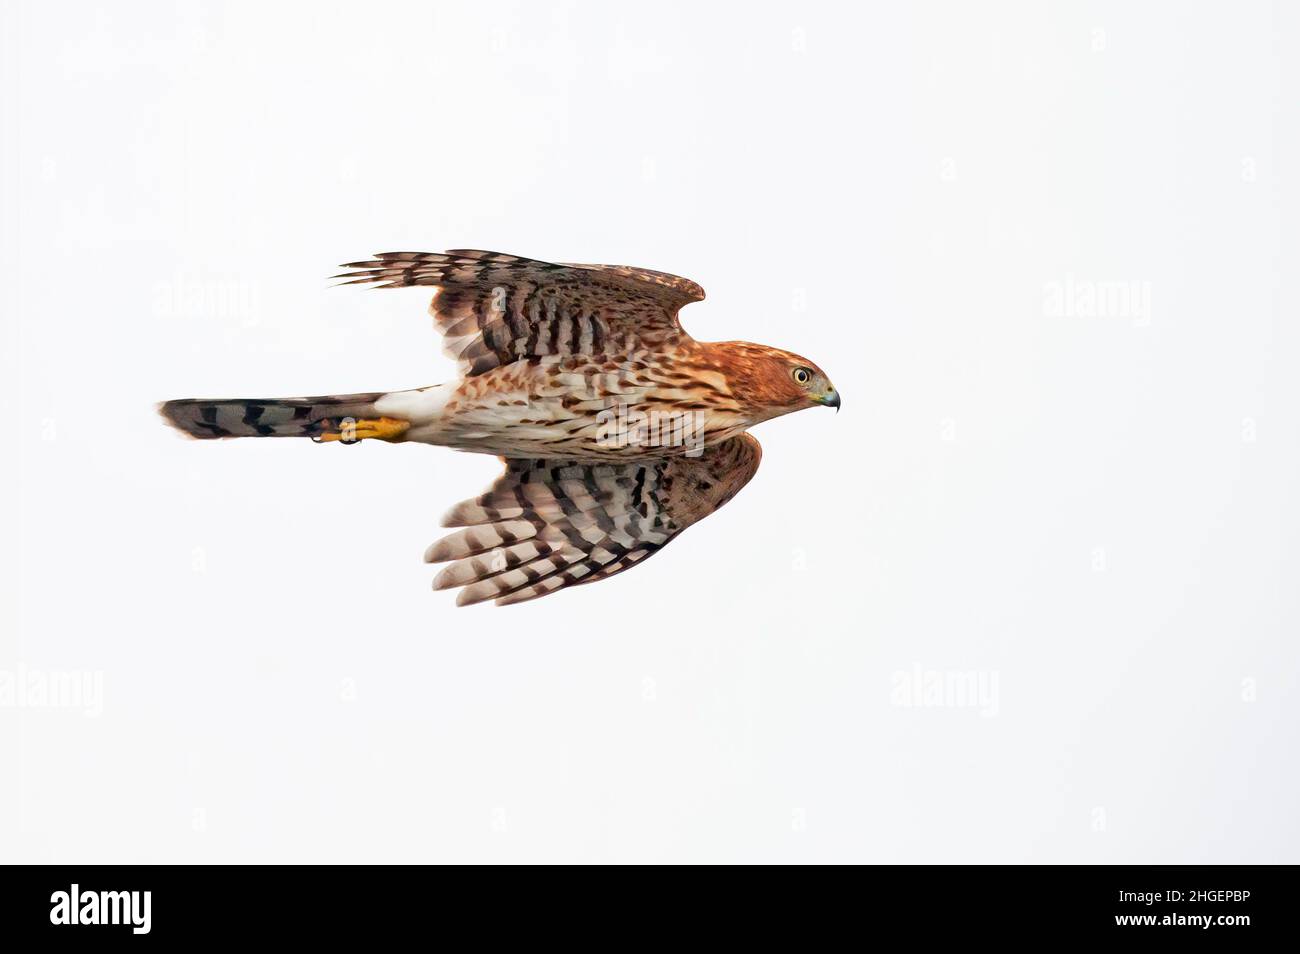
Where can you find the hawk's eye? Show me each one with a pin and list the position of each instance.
(802, 375)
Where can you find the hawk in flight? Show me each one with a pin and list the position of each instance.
(618, 430)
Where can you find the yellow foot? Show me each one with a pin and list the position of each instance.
(349, 430)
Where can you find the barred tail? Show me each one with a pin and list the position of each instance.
(272, 417)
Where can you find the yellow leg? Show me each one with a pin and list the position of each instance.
(349, 430)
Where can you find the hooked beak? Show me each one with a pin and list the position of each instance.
(832, 399)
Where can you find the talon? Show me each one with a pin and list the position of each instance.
(349, 430)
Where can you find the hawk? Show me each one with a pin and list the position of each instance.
(618, 430)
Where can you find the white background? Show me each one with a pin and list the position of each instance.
(1094, 514)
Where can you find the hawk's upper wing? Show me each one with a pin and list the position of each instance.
(544, 525)
(495, 308)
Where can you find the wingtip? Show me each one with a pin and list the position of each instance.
(467, 597)
(464, 514)
(444, 580)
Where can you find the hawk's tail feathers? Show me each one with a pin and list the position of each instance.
(271, 417)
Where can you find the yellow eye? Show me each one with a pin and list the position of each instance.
(802, 375)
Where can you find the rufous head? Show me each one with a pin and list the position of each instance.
(773, 382)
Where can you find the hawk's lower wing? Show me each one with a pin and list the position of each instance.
(544, 525)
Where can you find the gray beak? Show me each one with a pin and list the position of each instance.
(832, 400)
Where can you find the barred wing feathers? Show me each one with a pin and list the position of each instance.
(545, 525)
(494, 309)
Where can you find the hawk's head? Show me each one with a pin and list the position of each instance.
(772, 382)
